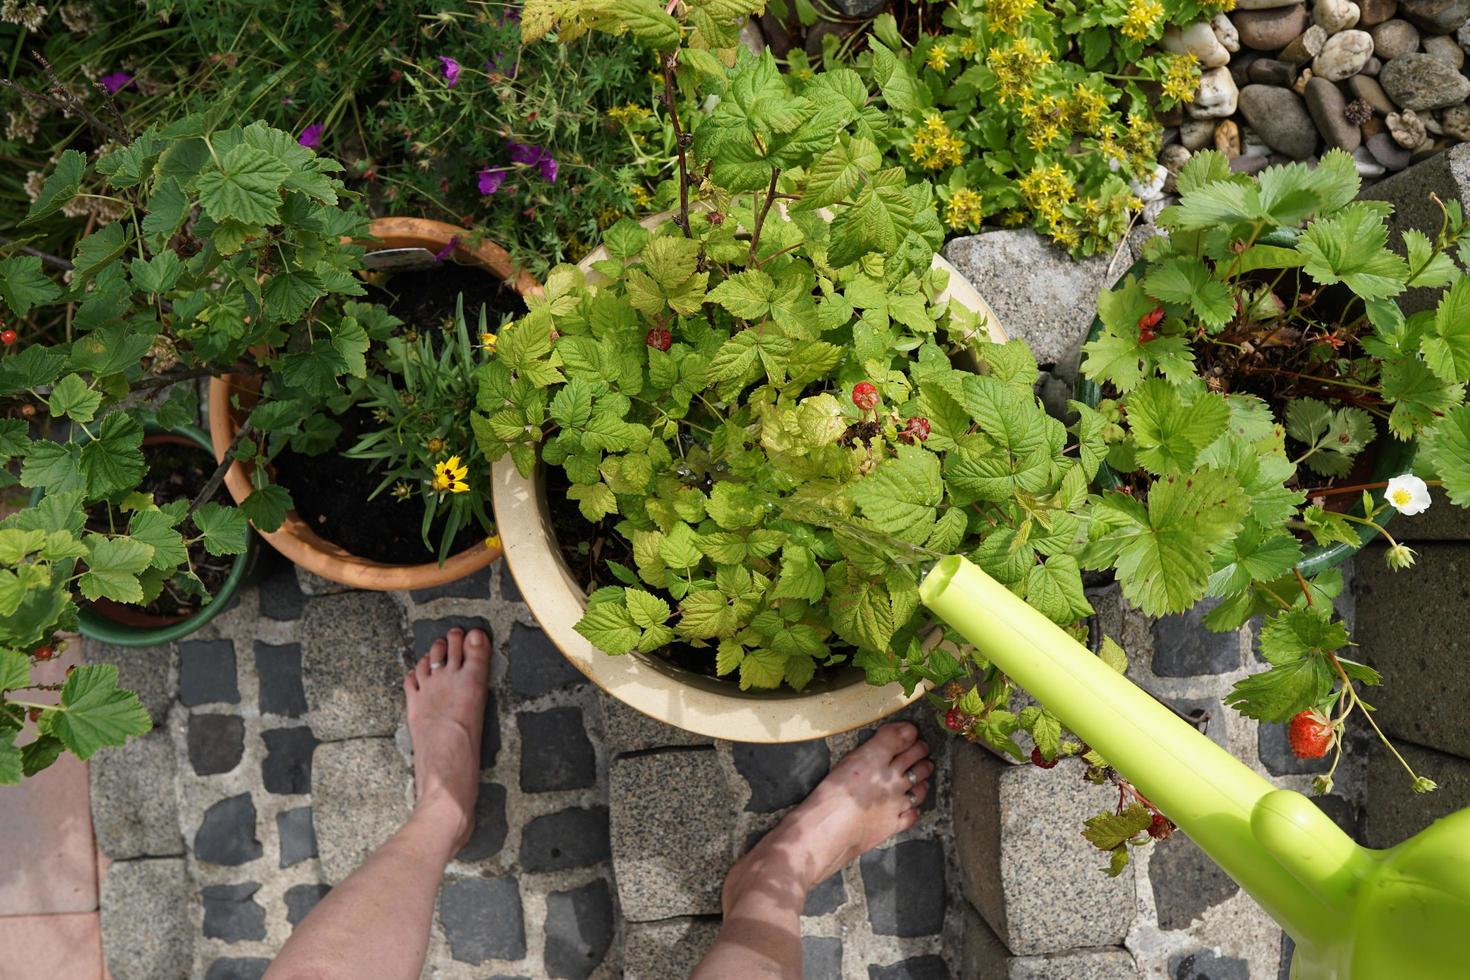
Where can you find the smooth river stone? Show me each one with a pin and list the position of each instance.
(1199, 40)
(1393, 38)
(1280, 118)
(1422, 81)
(1436, 16)
(1271, 30)
(1328, 108)
(1335, 15)
(1371, 92)
(1343, 55)
(1216, 97)
(1372, 12)
(1407, 129)
(1306, 47)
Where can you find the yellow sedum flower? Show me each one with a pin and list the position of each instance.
(1181, 77)
(1015, 66)
(935, 146)
(1142, 19)
(487, 341)
(629, 115)
(968, 47)
(640, 196)
(1006, 15)
(1085, 108)
(963, 212)
(449, 476)
(493, 542)
(937, 59)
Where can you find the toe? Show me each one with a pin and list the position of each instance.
(922, 770)
(895, 738)
(911, 756)
(435, 655)
(907, 819)
(477, 650)
(921, 793)
(411, 682)
(455, 638)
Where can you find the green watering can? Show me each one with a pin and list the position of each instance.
(1354, 912)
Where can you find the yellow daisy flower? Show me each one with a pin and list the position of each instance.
(449, 476)
(487, 341)
(937, 58)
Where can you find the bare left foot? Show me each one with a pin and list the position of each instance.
(446, 711)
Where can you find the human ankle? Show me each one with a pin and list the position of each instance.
(443, 817)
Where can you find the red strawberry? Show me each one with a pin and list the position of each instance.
(658, 338)
(44, 653)
(1040, 761)
(7, 337)
(1148, 322)
(955, 720)
(865, 396)
(1309, 734)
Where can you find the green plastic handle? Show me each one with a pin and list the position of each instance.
(1353, 912)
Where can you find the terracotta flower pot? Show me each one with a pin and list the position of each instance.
(693, 702)
(294, 538)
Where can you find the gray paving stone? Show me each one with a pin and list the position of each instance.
(207, 672)
(1443, 521)
(1023, 861)
(473, 586)
(312, 584)
(1347, 814)
(555, 751)
(571, 838)
(537, 666)
(1393, 812)
(301, 899)
(352, 664)
(1040, 294)
(281, 597)
(1275, 753)
(297, 835)
(286, 769)
(1185, 881)
(821, 958)
(1207, 715)
(279, 668)
(238, 968)
(231, 912)
(666, 949)
(135, 812)
(216, 743)
(1206, 964)
(829, 896)
(227, 833)
(928, 967)
(1446, 175)
(1422, 656)
(904, 883)
(781, 775)
(482, 919)
(628, 730)
(672, 820)
(426, 631)
(985, 956)
(579, 930)
(360, 797)
(150, 672)
(1184, 648)
(488, 837)
(508, 590)
(147, 928)
(490, 733)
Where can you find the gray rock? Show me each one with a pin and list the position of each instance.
(1387, 152)
(1273, 29)
(1034, 878)
(1327, 107)
(281, 597)
(483, 919)
(1262, 4)
(1280, 118)
(986, 956)
(360, 797)
(1206, 964)
(1186, 883)
(1335, 15)
(475, 585)
(821, 958)
(1394, 38)
(1443, 521)
(226, 835)
(488, 836)
(670, 948)
(671, 820)
(579, 930)
(297, 835)
(1394, 813)
(1039, 294)
(1207, 715)
(150, 672)
(313, 584)
(216, 743)
(555, 751)
(301, 899)
(1184, 648)
(147, 932)
(1216, 96)
(1365, 165)
(279, 668)
(1371, 92)
(1249, 164)
(572, 838)
(238, 968)
(1446, 49)
(904, 883)
(1196, 134)
(1306, 47)
(537, 666)
(781, 775)
(829, 896)
(1342, 55)
(287, 766)
(508, 590)
(627, 730)
(1455, 121)
(207, 672)
(352, 666)
(927, 967)
(822, 29)
(135, 812)
(1421, 81)
(1372, 12)
(1436, 16)
(1269, 71)
(231, 912)
(1407, 129)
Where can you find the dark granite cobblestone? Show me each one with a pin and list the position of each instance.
(579, 930)
(555, 751)
(821, 958)
(904, 883)
(914, 968)
(227, 833)
(483, 919)
(1208, 965)
(287, 766)
(473, 586)
(279, 668)
(231, 912)
(1186, 882)
(216, 743)
(207, 673)
(571, 838)
(301, 899)
(297, 835)
(1184, 648)
(488, 837)
(781, 775)
(537, 666)
(281, 597)
(238, 968)
(829, 896)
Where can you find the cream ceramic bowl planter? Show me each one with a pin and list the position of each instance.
(677, 697)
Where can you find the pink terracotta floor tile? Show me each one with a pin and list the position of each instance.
(66, 947)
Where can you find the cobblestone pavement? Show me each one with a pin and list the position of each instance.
(279, 759)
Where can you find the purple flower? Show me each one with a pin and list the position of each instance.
(492, 66)
(116, 81)
(490, 181)
(447, 250)
(451, 71)
(524, 154)
(312, 135)
(547, 164)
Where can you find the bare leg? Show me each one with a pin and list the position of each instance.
(860, 804)
(376, 923)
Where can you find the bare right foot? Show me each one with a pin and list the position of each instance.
(446, 712)
(868, 797)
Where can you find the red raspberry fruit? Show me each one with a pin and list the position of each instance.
(34, 714)
(918, 428)
(1160, 827)
(955, 720)
(865, 396)
(7, 337)
(658, 338)
(44, 653)
(1040, 761)
(1309, 734)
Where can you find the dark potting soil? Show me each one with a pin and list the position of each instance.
(174, 472)
(331, 491)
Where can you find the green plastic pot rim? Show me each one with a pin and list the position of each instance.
(1394, 456)
(95, 626)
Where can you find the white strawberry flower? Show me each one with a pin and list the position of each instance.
(1408, 494)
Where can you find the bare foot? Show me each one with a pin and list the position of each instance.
(866, 799)
(446, 710)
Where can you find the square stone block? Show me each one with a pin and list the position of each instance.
(667, 949)
(360, 797)
(672, 831)
(135, 811)
(1023, 861)
(985, 956)
(150, 672)
(147, 925)
(1394, 812)
(352, 666)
